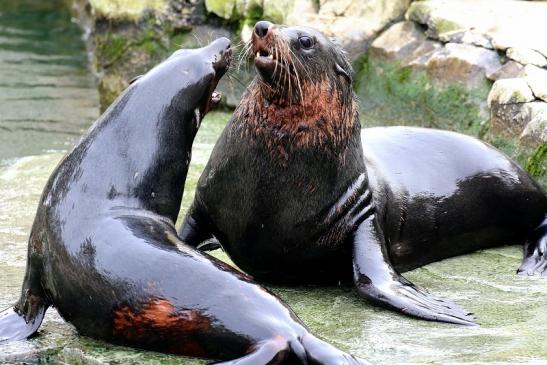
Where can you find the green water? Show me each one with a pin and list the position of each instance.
(48, 99)
(47, 94)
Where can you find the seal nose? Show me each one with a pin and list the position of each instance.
(262, 27)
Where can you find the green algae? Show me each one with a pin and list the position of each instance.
(536, 163)
(393, 95)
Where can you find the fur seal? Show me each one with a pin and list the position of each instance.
(104, 251)
(320, 201)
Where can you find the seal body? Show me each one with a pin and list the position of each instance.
(104, 250)
(442, 194)
(320, 201)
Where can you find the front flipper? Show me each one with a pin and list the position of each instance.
(377, 281)
(196, 232)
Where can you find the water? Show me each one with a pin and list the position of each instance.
(48, 99)
(47, 93)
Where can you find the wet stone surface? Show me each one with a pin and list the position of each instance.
(510, 308)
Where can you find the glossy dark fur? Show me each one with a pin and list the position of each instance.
(104, 250)
(315, 193)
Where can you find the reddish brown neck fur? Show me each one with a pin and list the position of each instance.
(321, 118)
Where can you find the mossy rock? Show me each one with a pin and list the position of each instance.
(393, 95)
(423, 12)
(110, 86)
(125, 10)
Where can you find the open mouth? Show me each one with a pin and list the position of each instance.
(220, 65)
(268, 62)
(265, 59)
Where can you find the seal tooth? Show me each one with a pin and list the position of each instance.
(270, 56)
(257, 54)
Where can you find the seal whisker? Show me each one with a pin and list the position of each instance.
(277, 58)
(301, 65)
(296, 75)
(232, 77)
(244, 55)
(198, 39)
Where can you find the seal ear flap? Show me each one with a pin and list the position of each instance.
(340, 71)
(341, 66)
(135, 79)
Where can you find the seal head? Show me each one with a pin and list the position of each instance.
(303, 94)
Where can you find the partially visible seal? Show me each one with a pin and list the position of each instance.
(319, 201)
(104, 250)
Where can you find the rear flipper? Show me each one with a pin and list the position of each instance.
(377, 281)
(14, 326)
(22, 320)
(319, 352)
(307, 350)
(535, 251)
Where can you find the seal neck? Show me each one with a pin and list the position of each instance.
(137, 155)
(324, 117)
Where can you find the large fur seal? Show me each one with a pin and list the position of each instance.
(314, 193)
(104, 250)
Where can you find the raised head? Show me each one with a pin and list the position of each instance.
(303, 87)
(292, 58)
(185, 82)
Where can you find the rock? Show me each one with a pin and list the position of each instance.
(535, 132)
(508, 70)
(431, 14)
(537, 79)
(509, 119)
(459, 64)
(354, 23)
(526, 29)
(509, 91)
(526, 56)
(227, 9)
(125, 10)
(403, 42)
(280, 11)
(467, 37)
(520, 119)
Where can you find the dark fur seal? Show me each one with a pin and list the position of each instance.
(315, 193)
(103, 248)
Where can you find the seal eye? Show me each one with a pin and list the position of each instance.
(306, 42)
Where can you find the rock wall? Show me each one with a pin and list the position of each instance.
(477, 66)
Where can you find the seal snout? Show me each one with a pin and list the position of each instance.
(222, 56)
(266, 48)
(262, 28)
